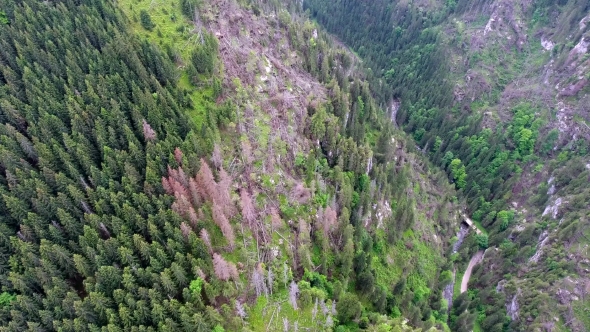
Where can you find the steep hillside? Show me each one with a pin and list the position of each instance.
(208, 166)
(495, 92)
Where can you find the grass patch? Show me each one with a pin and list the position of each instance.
(416, 258)
(582, 312)
(267, 314)
(480, 227)
(476, 327)
(171, 31)
(201, 101)
(457, 286)
(171, 27)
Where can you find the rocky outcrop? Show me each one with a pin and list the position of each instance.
(553, 209)
(512, 307)
(543, 238)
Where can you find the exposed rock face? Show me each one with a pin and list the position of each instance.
(559, 82)
(547, 44)
(573, 89)
(563, 74)
(551, 189)
(448, 292)
(505, 20)
(393, 108)
(543, 238)
(581, 47)
(512, 307)
(382, 211)
(553, 209)
(463, 230)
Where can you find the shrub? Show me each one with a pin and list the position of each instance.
(3, 17)
(188, 7)
(482, 241)
(6, 298)
(349, 308)
(146, 20)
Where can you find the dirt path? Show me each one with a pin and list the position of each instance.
(474, 260)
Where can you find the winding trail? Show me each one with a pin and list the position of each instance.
(474, 260)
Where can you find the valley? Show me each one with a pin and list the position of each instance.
(516, 73)
(279, 165)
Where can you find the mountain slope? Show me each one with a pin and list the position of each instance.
(206, 166)
(510, 106)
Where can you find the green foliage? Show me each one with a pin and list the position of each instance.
(363, 182)
(402, 45)
(446, 277)
(525, 141)
(189, 7)
(437, 144)
(563, 156)
(524, 128)
(97, 131)
(300, 160)
(462, 319)
(3, 17)
(310, 168)
(448, 157)
(421, 293)
(450, 4)
(6, 298)
(321, 199)
(204, 55)
(549, 141)
(581, 308)
(505, 218)
(196, 286)
(418, 134)
(146, 20)
(318, 280)
(458, 172)
(348, 308)
(355, 199)
(482, 240)
(103, 139)
(393, 52)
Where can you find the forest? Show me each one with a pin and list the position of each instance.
(229, 165)
(495, 132)
(134, 198)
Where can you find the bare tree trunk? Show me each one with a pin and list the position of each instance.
(198, 25)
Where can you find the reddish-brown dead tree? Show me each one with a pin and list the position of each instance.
(221, 221)
(185, 229)
(248, 208)
(223, 193)
(330, 220)
(206, 183)
(223, 269)
(178, 156)
(300, 194)
(216, 157)
(148, 133)
(206, 239)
